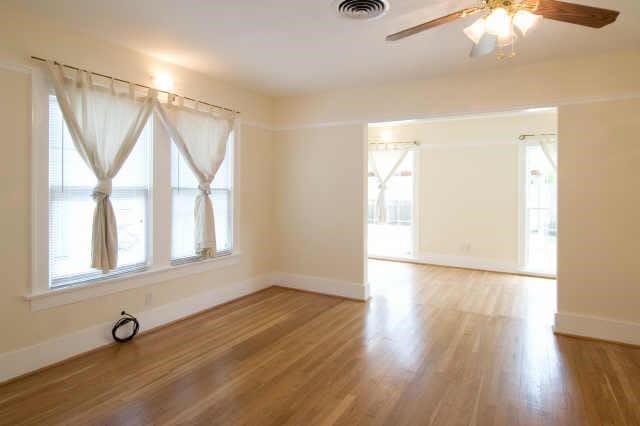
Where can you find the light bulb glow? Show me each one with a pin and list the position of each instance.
(498, 22)
(507, 38)
(525, 20)
(476, 30)
(163, 81)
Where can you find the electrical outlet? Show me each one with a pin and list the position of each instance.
(148, 299)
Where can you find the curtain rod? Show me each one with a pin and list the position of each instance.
(523, 137)
(139, 85)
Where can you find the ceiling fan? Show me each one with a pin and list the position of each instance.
(495, 29)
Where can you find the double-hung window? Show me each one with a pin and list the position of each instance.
(154, 212)
(184, 188)
(71, 206)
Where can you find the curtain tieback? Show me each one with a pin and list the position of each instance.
(382, 186)
(205, 188)
(102, 189)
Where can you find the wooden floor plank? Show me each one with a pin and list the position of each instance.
(434, 345)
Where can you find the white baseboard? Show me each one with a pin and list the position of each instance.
(597, 328)
(467, 262)
(350, 290)
(24, 360)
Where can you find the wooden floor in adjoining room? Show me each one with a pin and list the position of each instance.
(434, 345)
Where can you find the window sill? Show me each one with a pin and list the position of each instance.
(88, 290)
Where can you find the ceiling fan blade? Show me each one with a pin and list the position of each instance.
(573, 13)
(434, 23)
(486, 45)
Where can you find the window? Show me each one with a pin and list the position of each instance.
(184, 188)
(395, 237)
(154, 212)
(541, 206)
(71, 206)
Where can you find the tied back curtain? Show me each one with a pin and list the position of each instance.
(384, 164)
(104, 125)
(550, 149)
(201, 137)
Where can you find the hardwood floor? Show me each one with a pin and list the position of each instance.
(433, 346)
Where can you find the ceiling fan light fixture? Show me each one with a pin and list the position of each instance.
(496, 29)
(498, 22)
(476, 30)
(508, 38)
(525, 20)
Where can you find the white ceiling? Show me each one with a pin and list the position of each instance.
(288, 47)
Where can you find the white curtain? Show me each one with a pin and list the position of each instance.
(201, 137)
(550, 148)
(383, 171)
(104, 125)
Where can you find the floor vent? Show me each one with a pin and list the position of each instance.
(362, 9)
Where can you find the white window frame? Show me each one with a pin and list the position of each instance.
(160, 267)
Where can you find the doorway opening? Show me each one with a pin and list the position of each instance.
(474, 191)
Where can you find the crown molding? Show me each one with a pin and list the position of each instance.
(506, 110)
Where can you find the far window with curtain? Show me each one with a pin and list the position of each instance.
(541, 195)
(184, 186)
(71, 206)
(390, 200)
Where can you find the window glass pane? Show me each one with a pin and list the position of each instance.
(222, 213)
(131, 212)
(541, 211)
(71, 206)
(395, 236)
(184, 191)
(182, 223)
(223, 177)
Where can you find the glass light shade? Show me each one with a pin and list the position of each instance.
(525, 20)
(498, 22)
(476, 30)
(507, 38)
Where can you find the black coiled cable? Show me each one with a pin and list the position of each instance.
(126, 319)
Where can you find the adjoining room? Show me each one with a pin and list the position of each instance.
(471, 191)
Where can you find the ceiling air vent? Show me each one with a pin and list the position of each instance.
(362, 9)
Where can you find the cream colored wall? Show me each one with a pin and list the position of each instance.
(23, 35)
(571, 81)
(468, 182)
(319, 191)
(479, 129)
(23, 327)
(549, 83)
(599, 210)
(469, 196)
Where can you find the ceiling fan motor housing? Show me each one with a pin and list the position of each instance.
(511, 6)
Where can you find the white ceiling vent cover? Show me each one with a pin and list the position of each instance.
(362, 9)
